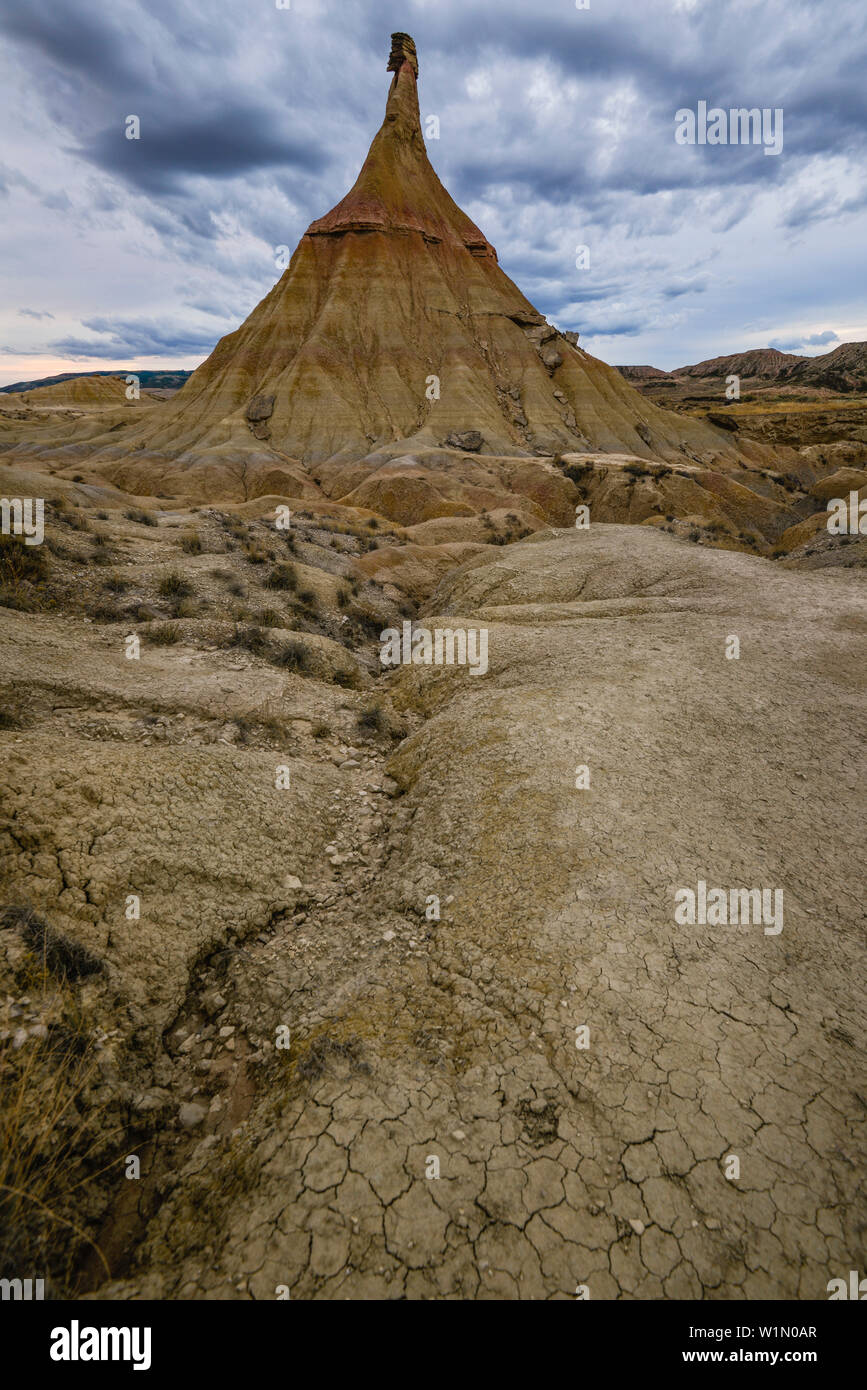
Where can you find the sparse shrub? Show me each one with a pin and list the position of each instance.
(64, 958)
(76, 519)
(269, 617)
(251, 639)
(579, 473)
(162, 635)
(308, 598)
(321, 730)
(236, 589)
(371, 720)
(369, 621)
(115, 583)
(185, 608)
(8, 719)
(20, 565)
(101, 516)
(191, 543)
(294, 656)
(344, 597)
(100, 545)
(141, 517)
(282, 576)
(19, 600)
(102, 612)
(244, 726)
(174, 585)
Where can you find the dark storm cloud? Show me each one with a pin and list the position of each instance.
(135, 338)
(671, 59)
(617, 330)
(79, 38)
(557, 128)
(219, 144)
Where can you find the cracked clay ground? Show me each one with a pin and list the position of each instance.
(419, 1045)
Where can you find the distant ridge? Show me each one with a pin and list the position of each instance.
(844, 369)
(642, 373)
(156, 380)
(757, 362)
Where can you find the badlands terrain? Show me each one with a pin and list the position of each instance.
(307, 909)
(326, 980)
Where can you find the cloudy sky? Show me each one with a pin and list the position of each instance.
(557, 130)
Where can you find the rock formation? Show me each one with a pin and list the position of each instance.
(394, 329)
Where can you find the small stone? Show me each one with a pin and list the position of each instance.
(190, 1115)
(227, 1030)
(213, 1002)
(388, 936)
(637, 1226)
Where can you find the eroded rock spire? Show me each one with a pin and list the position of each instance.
(402, 51)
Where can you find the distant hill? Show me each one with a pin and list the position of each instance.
(78, 390)
(153, 380)
(642, 373)
(763, 363)
(843, 370)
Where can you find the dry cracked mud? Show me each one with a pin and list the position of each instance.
(421, 1044)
